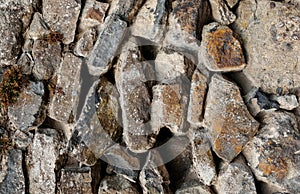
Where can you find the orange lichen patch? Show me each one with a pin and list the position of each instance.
(224, 49)
(95, 14)
(277, 167)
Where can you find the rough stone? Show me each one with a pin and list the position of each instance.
(270, 33)
(47, 57)
(287, 102)
(203, 162)
(236, 177)
(220, 49)
(85, 44)
(226, 116)
(197, 98)
(62, 16)
(116, 184)
(221, 12)
(38, 27)
(43, 154)
(150, 21)
(193, 187)
(131, 80)
(65, 88)
(11, 173)
(273, 154)
(232, 3)
(125, 9)
(26, 63)
(75, 180)
(22, 139)
(15, 17)
(106, 46)
(26, 111)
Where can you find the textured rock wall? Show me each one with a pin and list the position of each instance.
(150, 96)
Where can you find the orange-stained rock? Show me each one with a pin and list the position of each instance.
(220, 49)
(230, 124)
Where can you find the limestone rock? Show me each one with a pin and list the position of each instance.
(47, 57)
(236, 177)
(220, 49)
(287, 102)
(150, 21)
(226, 116)
(41, 161)
(85, 44)
(106, 45)
(12, 180)
(64, 90)
(26, 111)
(194, 187)
(62, 16)
(273, 154)
(14, 18)
(270, 33)
(221, 12)
(197, 95)
(116, 184)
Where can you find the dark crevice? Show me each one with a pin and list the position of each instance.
(25, 172)
(163, 136)
(96, 176)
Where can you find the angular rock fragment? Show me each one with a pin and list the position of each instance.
(203, 162)
(14, 18)
(287, 102)
(26, 63)
(41, 161)
(76, 180)
(271, 34)
(150, 21)
(65, 88)
(27, 110)
(106, 45)
(220, 49)
(47, 57)
(116, 184)
(236, 177)
(221, 12)
(11, 172)
(193, 187)
(38, 27)
(197, 98)
(226, 116)
(127, 10)
(131, 76)
(85, 44)
(154, 178)
(62, 16)
(273, 154)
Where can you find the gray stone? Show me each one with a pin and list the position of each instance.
(287, 102)
(226, 116)
(65, 88)
(221, 12)
(270, 33)
(106, 46)
(47, 57)
(150, 21)
(127, 9)
(27, 110)
(43, 155)
(193, 187)
(236, 177)
(273, 154)
(118, 185)
(62, 16)
(14, 18)
(197, 98)
(26, 63)
(85, 44)
(131, 76)
(22, 139)
(221, 51)
(11, 174)
(37, 29)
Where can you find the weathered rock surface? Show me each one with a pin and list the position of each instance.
(236, 178)
(221, 12)
(62, 16)
(287, 102)
(37, 29)
(43, 154)
(220, 49)
(125, 9)
(194, 187)
(226, 116)
(11, 175)
(85, 44)
(272, 154)
(197, 98)
(270, 32)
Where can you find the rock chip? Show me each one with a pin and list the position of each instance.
(220, 49)
(85, 44)
(65, 88)
(271, 37)
(226, 116)
(221, 12)
(197, 98)
(150, 21)
(273, 154)
(106, 45)
(62, 16)
(11, 173)
(287, 102)
(236, 177)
